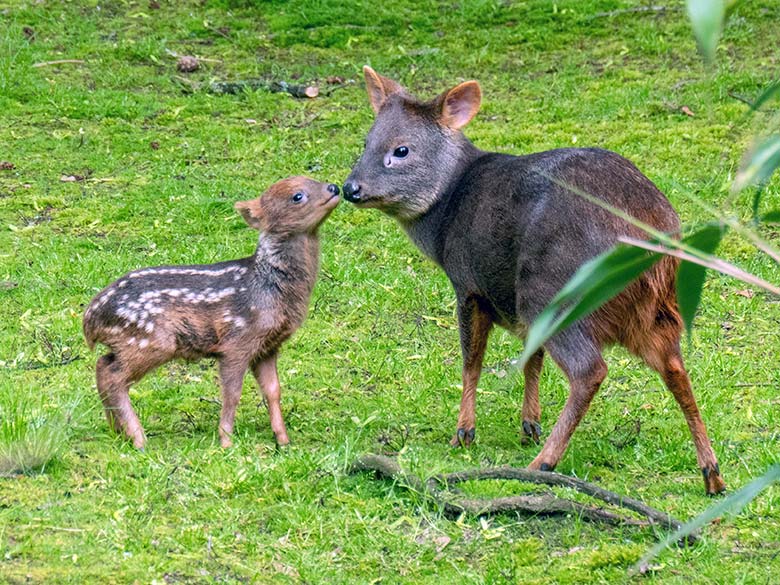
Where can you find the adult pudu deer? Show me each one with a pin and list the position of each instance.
(509, 235)
(239, 312)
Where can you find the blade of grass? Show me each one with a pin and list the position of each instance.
(672, 245)
(595, 283)
(763, 161)
(713, 262)
(690, 276)
(768, 94)
(731, 505)
(771, 217)
(736, 225)
(707, 18)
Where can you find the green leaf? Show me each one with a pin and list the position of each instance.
(768, 94)
(707, 17)
(690, 277)
(596, 282)
(733, 505)
(771, 217)
(762, 163)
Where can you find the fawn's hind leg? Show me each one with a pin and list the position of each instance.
(581, 361)
(532, 411)
(113, 383)
(268, 380)
(666, 359)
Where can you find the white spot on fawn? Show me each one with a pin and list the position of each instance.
(143, 343)
(184, 271)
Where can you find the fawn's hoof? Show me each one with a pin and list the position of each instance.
(713, 482)
(139, 441)
(282, 443)
(463, 438)
(532, 430)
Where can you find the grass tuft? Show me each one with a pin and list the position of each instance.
(31, 435)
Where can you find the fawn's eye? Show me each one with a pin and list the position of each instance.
(401, 152)
(298, 197)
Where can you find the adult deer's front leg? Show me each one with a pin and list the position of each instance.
(475, 325)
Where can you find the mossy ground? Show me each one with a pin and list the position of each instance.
(376, 366)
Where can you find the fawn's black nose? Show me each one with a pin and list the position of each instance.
(352, 191)
(333, 189)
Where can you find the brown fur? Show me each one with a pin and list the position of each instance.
(239, 312)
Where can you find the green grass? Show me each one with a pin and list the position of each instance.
(30, 433)
(376, 366)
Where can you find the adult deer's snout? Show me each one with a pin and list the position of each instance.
(352, 191)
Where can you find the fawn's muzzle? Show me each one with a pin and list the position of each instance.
(352, 191)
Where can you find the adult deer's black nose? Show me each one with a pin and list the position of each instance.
(352, 191)
(333, 189)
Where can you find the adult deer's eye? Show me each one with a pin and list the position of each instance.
(401, 152)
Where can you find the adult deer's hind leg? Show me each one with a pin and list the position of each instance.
(664, 356)
(580, 359)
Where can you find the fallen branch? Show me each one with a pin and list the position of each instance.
(58, 62)
(439, 489)
(236, 87)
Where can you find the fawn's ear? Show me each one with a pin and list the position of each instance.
(460, 104)
(252, 212)
(379, 88)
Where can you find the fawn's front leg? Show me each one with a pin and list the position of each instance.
(268, 380)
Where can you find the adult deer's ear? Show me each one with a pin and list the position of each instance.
(252, 212)
(460, 104)
(379, 88)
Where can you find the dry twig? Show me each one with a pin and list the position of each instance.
(58, 62)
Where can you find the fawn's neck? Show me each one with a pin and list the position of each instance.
(287, 261)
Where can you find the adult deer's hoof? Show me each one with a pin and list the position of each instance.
(463, 438)
(538, 465)
(532, 430)
(713, 482)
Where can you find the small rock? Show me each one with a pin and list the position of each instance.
(334, 80)
(187, 64)
(154, 145)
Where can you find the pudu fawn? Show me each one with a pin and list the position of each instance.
(509, 233)
(239, 312)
